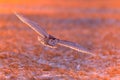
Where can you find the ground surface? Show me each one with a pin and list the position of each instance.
(22, 57)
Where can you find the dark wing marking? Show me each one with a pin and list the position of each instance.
(33, 25)
(74, 46)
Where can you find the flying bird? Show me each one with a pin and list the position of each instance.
(49, 40)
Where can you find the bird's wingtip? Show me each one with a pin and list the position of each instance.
(14, 12)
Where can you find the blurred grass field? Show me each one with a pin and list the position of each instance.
(91, 23)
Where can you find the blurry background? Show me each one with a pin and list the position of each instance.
(59, 6)
(78, 8)
(94, 24)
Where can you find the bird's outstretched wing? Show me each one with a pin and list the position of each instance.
(74, 46)
(33, 25)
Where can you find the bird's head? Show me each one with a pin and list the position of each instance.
(52, 41)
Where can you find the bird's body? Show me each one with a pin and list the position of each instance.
(50, 41)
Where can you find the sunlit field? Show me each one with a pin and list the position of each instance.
(91, 23)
